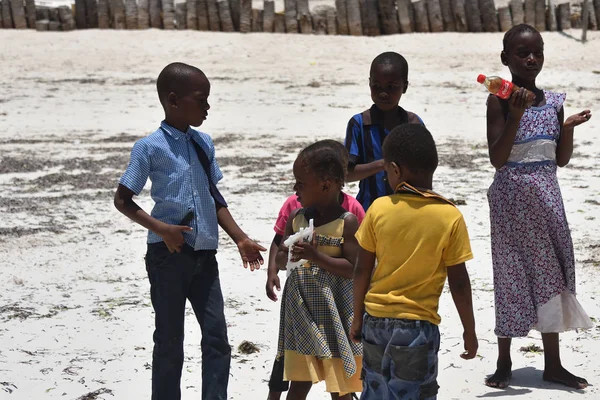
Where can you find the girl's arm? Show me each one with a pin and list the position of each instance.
(272, 270)
(362, 280)
(500, 132)
(564, 150)
(281, 257)
(340, 266)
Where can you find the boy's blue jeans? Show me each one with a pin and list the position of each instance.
(400, 359)
(174, 278)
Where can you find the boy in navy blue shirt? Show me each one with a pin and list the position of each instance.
(181, 258)
(388, 81)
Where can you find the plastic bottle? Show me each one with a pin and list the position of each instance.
(502, 88)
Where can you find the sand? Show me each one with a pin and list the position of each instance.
(74, 305)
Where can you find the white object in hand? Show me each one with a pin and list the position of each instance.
(303, 235)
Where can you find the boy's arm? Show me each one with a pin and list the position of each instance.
(460, 288)
(358, 172)
(171, 234)
(248, 248)
(272, 270)
(362, 279)
(340, 266)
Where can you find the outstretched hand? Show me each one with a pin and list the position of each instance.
(250, 253)
(577, 119)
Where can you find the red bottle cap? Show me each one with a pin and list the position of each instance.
(481, 78)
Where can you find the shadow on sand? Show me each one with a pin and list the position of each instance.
(523, 381)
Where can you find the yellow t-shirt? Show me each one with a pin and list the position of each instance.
(414, 238)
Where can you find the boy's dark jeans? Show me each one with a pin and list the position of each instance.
(191, 275)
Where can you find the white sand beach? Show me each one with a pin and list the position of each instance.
(74, 305)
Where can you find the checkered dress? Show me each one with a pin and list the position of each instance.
(316, 310)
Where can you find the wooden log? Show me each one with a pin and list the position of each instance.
(104, 14)
(597, 12)
(576, 17)
(320, 23)
(279, 23)
(389, 17)
(131, 14)
(54, 14)
(552, 22)
(371, 26)
(80, 14)
(593, 24)
(202, 15)
(529, 6)
(2, 19)
(584, 20)
(7, 22)
(257, 20)
(235, 14)
(489, 18)
(291, 16)
(473, 16)
(421, 21)
(168, 14)
(434, 13)
(540, 15)
(17, 9)
(354, 18)
(448, 15)
(118, 12)
(67, 22)
(154, 11)
(42, 25)
(30, 13)
(331, 21)
(460, 15)
(181, 15)
(54, 26)
(304, 18)
(191, 21)
(213, 15)
(564, 16)
(41, 13)
(225, 16)
(405, 19)
(268, 15)
(517, 12)
(246, 16)
(91, 14)
(504, 19)
(342, 17)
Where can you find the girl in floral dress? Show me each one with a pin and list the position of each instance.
(532, 251)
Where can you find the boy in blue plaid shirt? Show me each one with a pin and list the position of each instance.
(183, 232)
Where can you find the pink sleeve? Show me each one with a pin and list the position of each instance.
(290, 205)
(352, 205)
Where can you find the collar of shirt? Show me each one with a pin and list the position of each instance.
(176, 133)
(374, 116)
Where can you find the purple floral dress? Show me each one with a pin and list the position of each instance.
(532, 251)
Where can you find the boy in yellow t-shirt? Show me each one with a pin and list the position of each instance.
(418, 238)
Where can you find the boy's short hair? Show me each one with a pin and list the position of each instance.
(174, 78)
(325, 159)
(412, 146)
(395, 60)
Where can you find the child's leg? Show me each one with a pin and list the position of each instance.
(207, 301)
(553, 370)
(503, 373)
(336, 396)
(276, 382)
(167, 274)
(298, 390)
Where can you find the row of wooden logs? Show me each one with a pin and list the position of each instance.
(348, 17)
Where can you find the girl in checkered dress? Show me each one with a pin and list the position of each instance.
(316, 311)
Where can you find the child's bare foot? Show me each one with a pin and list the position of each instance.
(564, 377)
(501, 377)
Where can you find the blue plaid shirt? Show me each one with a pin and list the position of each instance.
(179, 183)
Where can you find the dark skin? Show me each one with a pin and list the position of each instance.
(320, 195)
(387, 84)
(458, 277)
(525, 59)
(182, 111)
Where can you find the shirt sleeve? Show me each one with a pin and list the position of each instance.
(284, 214)
(366, 233)
(357, 209)
(353, 138)
(215, 172)
(458, 249)
(138, 170)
